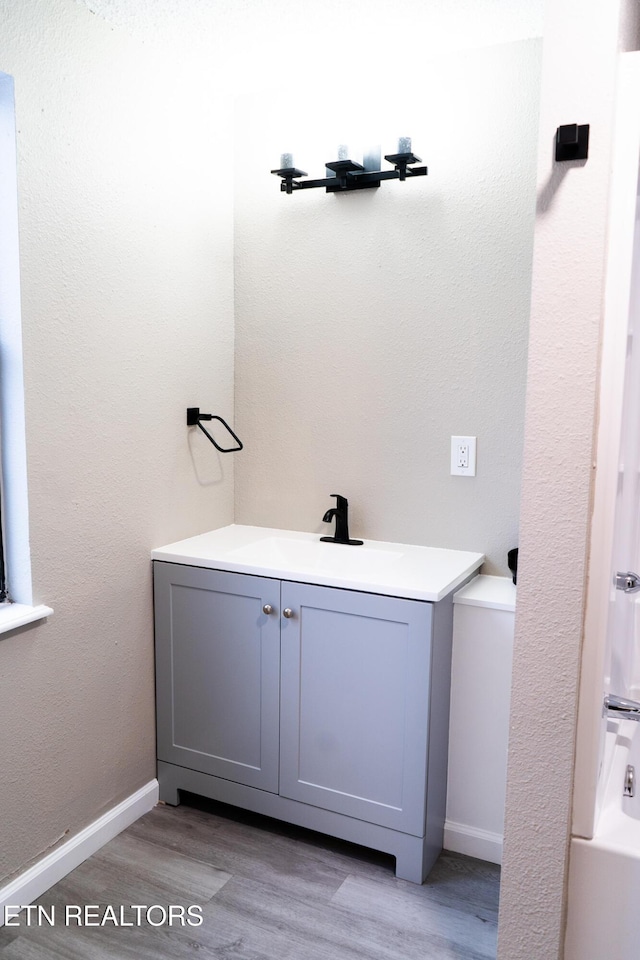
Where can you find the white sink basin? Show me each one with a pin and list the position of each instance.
(314, 555)
(395, 569)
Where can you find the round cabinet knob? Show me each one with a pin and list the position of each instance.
(267, 609)
(287, 612)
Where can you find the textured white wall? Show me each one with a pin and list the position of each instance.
(278, 39)
(371, 327)
(580, 54)
(128, 319)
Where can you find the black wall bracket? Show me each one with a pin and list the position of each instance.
(572, 142)
(193, 420)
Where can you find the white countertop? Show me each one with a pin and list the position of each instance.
(497, 593)
(394, 569)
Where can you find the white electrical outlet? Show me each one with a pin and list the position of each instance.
(463, 456)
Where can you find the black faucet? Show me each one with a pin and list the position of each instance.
(341, 513)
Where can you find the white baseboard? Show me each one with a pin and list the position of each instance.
(35, 881)
(472, 841)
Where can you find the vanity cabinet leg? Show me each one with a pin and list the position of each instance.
(415, 859)
(168, 789)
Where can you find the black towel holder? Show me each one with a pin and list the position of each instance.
(193, 420)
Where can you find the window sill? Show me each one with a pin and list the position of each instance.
(14, 615)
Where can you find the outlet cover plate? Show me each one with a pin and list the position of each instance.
(463, 456)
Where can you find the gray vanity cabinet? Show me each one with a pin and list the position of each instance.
(319, 706)
(218, 673)
(354, 712)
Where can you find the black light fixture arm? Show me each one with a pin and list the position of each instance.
(193, 420)
(349, 175)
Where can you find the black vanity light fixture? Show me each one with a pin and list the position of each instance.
(345, 174)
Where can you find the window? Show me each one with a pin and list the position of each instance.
(3, 582)
(17, 607)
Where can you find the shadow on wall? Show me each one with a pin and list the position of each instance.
(547, 194)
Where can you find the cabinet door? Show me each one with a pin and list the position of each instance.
(217, 673)
(355, 704)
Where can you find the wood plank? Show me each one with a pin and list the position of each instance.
(246, 844)
(469, 933)
(272, 926)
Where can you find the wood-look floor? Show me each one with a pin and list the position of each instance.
(267, 891)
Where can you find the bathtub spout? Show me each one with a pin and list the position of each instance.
(621, 709)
